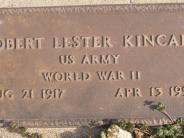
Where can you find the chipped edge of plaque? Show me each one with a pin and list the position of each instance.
(73, 122)
(169, 7)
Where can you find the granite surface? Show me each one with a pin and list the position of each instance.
(65, 132)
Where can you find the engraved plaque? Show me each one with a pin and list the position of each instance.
(68, 65)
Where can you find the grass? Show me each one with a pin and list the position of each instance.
(173, 130)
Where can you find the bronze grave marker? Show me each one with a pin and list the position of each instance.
(68, 65)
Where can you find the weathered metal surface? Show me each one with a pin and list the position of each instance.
(70, 65)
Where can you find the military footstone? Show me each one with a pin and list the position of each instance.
(72, 65)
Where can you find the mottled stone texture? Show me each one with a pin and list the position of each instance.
(64, 132)
(38, 3)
